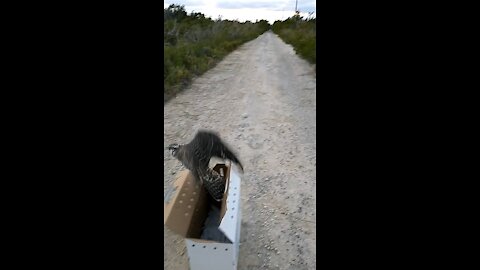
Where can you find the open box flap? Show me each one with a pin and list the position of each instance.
(182, 209)
(231, 206)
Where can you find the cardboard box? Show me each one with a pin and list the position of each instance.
(187, 211)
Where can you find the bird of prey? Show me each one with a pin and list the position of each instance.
(196, 155)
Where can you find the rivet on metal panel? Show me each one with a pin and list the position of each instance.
(180, 201)
(204, 246)
(233, 208)
(189, 206)
(232, 216)
(226, 249)
(183, 194)
(191, 199)
(194, 193)
(233, 201)
(234, 194)
(186, 214)
(214, 247)
(193, 245)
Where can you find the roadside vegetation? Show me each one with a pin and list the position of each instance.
(301, 34)
(194, 43)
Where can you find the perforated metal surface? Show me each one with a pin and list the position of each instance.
(230, 220)
(210, 256)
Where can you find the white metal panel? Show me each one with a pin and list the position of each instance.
(232, 218)
(237, 243)
(210, 256)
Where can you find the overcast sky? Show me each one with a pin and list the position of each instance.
(242, 10)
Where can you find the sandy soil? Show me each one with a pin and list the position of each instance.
(261, 99)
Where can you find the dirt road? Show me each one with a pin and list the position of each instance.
(262, 100)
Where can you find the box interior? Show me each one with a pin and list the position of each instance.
(187, 212)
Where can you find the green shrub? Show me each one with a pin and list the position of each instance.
(299, 33)
(193, 44)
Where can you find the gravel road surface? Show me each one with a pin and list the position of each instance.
(261, 98)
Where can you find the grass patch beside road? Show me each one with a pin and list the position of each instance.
(193, 44)
(301, 34)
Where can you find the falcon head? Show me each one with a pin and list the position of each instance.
(174, 148)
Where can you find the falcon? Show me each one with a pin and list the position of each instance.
(196, 156)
